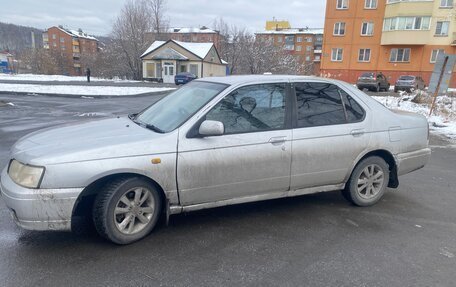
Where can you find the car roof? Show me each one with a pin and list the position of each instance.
(245, 79)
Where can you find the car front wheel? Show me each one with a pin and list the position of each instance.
(368, 182)
(126, 210)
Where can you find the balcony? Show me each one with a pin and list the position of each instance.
(410, 37)
(317, 51)
(409, 8)
(75, 43)
(76, 55)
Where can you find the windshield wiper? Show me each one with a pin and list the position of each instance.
(132, 116)
(152, 127)
(148, 126)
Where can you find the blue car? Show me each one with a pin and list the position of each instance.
(184, 78)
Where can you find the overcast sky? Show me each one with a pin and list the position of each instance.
(96, 16)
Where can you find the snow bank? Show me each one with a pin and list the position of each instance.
(59, 78)
(443, 119)
(79, 90)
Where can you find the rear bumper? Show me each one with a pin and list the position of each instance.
(410, 161)
(403, 87)
(366, 85)
(39, 209)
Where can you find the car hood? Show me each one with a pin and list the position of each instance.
(109, 138)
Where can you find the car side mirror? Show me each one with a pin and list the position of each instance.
(211, 128)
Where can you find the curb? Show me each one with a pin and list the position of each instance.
(85, 96)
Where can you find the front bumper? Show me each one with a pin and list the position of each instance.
(403, 87)
(410, 161)
(39, 209)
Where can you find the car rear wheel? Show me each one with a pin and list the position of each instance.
(126, 210)
(368, 182)
(377, 89)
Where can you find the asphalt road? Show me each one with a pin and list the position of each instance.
(407, 239)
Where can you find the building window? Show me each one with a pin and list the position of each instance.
(307, 58)
(63, 47)
(370, 4)
(317, 58)
(336, 54)
(400, 55)
(279, 39)
(62, 40)
(446, 3)
(299, 39)
(441, 28)
(194, 69)
(183, 68)
(308, 48)
(298, 48)
(289, 43)
(342, 4)
(367, 29)
(54, 36)
(339, 29)
(364, 55)
(406, 23)
(435, 54)
(54, 44)
(309, 39)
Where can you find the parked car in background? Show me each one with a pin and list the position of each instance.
(214, 142)
(184, 78)
(373, 82)
(409, 83)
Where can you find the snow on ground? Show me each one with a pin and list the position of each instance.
(59, 78)
(79, 90)
(443, 119)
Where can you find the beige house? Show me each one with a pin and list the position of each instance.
(164, 59)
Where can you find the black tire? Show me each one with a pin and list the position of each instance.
(105, 219)
(352, 192)
(396, 90)
(377, 89)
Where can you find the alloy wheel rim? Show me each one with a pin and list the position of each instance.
(370, 181)
(134, 210)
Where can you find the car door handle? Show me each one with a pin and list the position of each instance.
(357, 133)
(277, 140)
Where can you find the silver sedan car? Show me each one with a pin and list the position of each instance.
(213, 142)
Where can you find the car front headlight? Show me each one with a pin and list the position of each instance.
(25, 175)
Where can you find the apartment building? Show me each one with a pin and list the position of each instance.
(188, 35)
(395, 37)
(68, 47)
(305, 43)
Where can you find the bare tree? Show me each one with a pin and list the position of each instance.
(159, 22)
(233, 41)
(247, 54)
(38, 61)
(128, 34)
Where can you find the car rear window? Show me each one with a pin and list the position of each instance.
(367, 75)
(407, 78)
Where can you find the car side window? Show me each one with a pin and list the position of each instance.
(355, 112)
(251, 108)
(319, 104)
(322, 104)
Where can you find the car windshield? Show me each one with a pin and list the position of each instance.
(407, 78)
(174, 109)
(367, 75)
